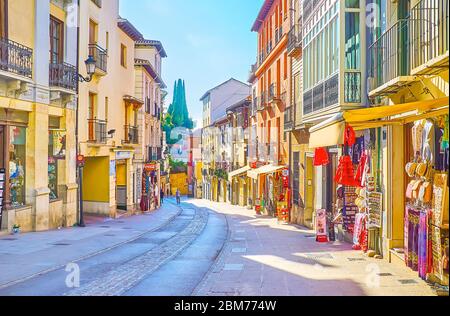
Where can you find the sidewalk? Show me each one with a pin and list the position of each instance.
(23, 256)
(264, 258)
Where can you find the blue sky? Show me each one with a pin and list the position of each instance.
(207, 41)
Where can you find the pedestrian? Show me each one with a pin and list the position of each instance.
(178, 195)
(161, 195)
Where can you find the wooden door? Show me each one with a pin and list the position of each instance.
(309, 189)
(92, 32)
(3, 18)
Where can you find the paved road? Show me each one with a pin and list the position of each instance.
(170, 259)
(201, 248)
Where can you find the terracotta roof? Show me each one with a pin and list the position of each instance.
(129, 29)
(157, 44)
(262, 14)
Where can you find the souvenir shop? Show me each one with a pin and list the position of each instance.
(426, 222)
(150, 188)
(354, 190)
(274, 197)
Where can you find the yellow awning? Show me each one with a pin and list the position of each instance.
(254, 173)
(238, 172)
(331, 132)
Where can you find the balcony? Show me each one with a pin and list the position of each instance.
(295, 41)
(131, 135)
(429, 37)
(15, 58)
(154, 153)
(390, 61)
(323, 95)
(64, 76)
(262, 102)
(289, 119)
(278, 35)
(101, 56)
(274, 94)
(97, 131)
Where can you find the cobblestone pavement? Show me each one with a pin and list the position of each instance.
(118, 281)
(264, 258)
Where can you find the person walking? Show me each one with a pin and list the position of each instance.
(161, 195)
(178, 196)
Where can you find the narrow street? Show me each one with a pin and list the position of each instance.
(200, 248)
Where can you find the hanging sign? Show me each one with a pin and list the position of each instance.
(150, 167)
(321, 226)
(81, 161)
(59, 143)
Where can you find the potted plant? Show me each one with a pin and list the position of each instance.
(16, 229)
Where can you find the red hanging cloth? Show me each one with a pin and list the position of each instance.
(321, 157)
(349, 136)
(345, 174)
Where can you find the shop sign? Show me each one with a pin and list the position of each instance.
(150, 167)
(122, 155)
(321, 226)
(59, 144)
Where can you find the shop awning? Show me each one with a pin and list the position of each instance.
(331, 131)
(238, 172)
(254, 173)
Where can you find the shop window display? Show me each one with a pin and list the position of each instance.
(17, 165)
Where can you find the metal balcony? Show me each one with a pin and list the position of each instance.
(63, 76)
(289, 119)
(101, 56)
(131, 135)
(429, 37)
(390, 60)
(97, 131)
(16, 58)
(262, 102)
(295, 40)
(274, 94)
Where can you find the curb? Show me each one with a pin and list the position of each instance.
(21, 280)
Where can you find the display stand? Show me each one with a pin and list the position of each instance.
(2, 193)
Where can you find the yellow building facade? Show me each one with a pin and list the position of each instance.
(108, 113)
(38, 98)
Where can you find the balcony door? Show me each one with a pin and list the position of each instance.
(56, 40)
(93, 27)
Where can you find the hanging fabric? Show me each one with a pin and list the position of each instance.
(345, 174)
(362, 170)
(349, 136)
(321, 157)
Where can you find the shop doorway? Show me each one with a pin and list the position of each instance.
(121, 185)
(309, 190)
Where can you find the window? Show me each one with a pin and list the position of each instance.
(56, 40)
(123, 55)
(93, 29)
(17, 158)
(285, 66)
(3, 18)
(352, 4)
(352, 41)
(106, 108)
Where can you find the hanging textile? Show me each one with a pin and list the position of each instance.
(425, 262)
(321, 157)
(360, 233)
(358, 150)
(349, 136)
(413, 239)
(363, 170)
(345, 173)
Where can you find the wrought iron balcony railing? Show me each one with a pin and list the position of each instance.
(295, 39)
(262, 101)
(97, 131)
(131, 135)
(16, 58)
(274, 93)
(63, 76)
(352, 87)
(100, 55)
(322, 95)
(288, 118)
(429, 36)
(390, 55)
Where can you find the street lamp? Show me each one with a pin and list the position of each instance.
(90, 69)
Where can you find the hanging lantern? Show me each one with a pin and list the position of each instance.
(321, 157)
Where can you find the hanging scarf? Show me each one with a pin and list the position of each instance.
(321, 157)
(345, 174)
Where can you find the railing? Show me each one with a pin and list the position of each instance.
(274, 94)
(278, 35)
(100, 55)
(295, 38)
(429, 31)
(16, 58)
(352, 87)
(131, 134)
(97, 131)
(390, 57)
(64, 76)
(98, 3)
(288, 118)
(323, 95)
(262, 101)
(254, 106)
